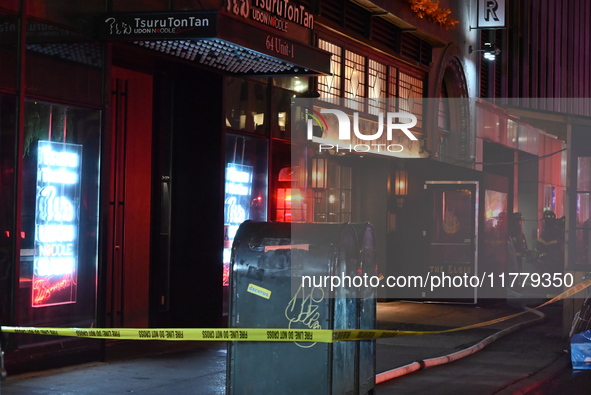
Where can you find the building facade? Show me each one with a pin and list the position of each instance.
(136, 136)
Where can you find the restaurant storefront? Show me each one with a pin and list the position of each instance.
(128, 160)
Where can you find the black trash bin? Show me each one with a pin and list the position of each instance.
(268, 263)
(367, 307)
(2, 346)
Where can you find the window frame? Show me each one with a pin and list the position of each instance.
(394, 70)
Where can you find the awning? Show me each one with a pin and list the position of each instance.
(216, 40)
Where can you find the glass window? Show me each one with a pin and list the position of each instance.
(583, 225)
(283, 91)
(354, 80)
(583, 255)
(329, 86)
(453, 216)
(246, 187)
(393, 89)
(411, 91)
(291, 204)
(290, 198)
(549, 198)
(60, 191)
(246, 105)
(281, 113)
(377, 86)
(296, 84)
(584, 174)
(334, 203)
(404, 90)
(8, 51)
(393, 83)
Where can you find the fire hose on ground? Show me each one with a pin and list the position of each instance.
(430, 362)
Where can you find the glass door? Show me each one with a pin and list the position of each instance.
(453, 238)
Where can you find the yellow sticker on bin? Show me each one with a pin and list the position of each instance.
(259, 291)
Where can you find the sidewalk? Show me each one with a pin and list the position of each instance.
(198, 371)
(506, 366)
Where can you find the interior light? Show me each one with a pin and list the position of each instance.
(319, 171)
(400, 186)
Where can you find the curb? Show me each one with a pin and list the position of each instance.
(538, 378)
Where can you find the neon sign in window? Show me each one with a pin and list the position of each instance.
(57, 209)
(237, 201)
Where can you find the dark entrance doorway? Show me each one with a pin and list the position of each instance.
(453, 236)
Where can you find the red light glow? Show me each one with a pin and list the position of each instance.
(7, 233)
(289, 201)
(44, 288)
(226, 275)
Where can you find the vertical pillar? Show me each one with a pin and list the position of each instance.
(20, 125)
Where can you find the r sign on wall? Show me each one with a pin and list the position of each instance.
(491, 13)
(57, 209)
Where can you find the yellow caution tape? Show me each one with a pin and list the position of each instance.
(198, 334)
(348, 334)
(260, 334)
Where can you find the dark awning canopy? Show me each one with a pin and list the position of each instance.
(216, 40)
